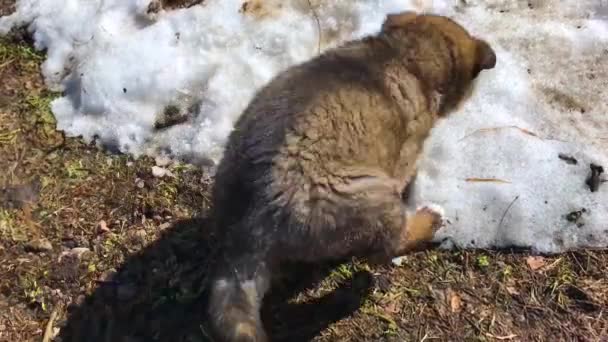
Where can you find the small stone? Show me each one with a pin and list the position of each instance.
(139, 183)
(383, 283)
(160, 172)
(512, 290)
(79, 300)
(154, 7)
(69, 243)
(39, 246)
(56, 331)
(126, 291)
(398, 261)
(56, 293)
(164, 226)
(79, 251)
(162, 161)
(108, 276)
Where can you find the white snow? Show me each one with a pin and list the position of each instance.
(120, 68)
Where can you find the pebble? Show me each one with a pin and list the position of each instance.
(140, 183)
(77, 252)
(109, 275)
(160, 172)
(139, 236)
(39, 246)
(398, 261)
(162, 161)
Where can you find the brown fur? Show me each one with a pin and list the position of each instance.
(315, 166)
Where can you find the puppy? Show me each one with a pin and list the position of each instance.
(315, 165)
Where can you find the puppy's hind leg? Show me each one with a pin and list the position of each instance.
(383, 229)
(236, 295)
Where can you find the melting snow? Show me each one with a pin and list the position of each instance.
(173, 82)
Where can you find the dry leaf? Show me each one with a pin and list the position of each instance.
(455, 302)
(536, 262)
(103, 226)
(391, 308)
(77, 252)
(512, 290)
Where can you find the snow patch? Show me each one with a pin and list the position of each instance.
(173, 83)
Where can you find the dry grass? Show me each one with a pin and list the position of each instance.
(143, 277)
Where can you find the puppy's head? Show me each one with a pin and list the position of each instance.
(475, 54)
(463, 55)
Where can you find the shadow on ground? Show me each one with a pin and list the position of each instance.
(160, 294)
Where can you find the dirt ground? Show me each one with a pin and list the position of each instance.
(94, 247)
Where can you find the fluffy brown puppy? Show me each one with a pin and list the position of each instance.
(314, 167)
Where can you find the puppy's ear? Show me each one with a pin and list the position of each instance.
(398, 19)
(485, 57)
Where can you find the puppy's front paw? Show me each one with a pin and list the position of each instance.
(432, 215)
(420, 229)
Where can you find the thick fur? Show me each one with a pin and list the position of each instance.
(315, 166)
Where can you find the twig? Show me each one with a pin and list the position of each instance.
(48, 332)
(568, 159)
(502, 338)
(552, 265)
(507, 210)
(314, 13)
(594, 180)
(6, 63)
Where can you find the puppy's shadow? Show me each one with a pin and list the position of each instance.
(302, 321)
(160, 294)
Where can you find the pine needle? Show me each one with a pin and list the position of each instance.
(507, 210)
(486, 180)
(494, 129)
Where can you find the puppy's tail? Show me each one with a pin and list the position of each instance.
(235, 301)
